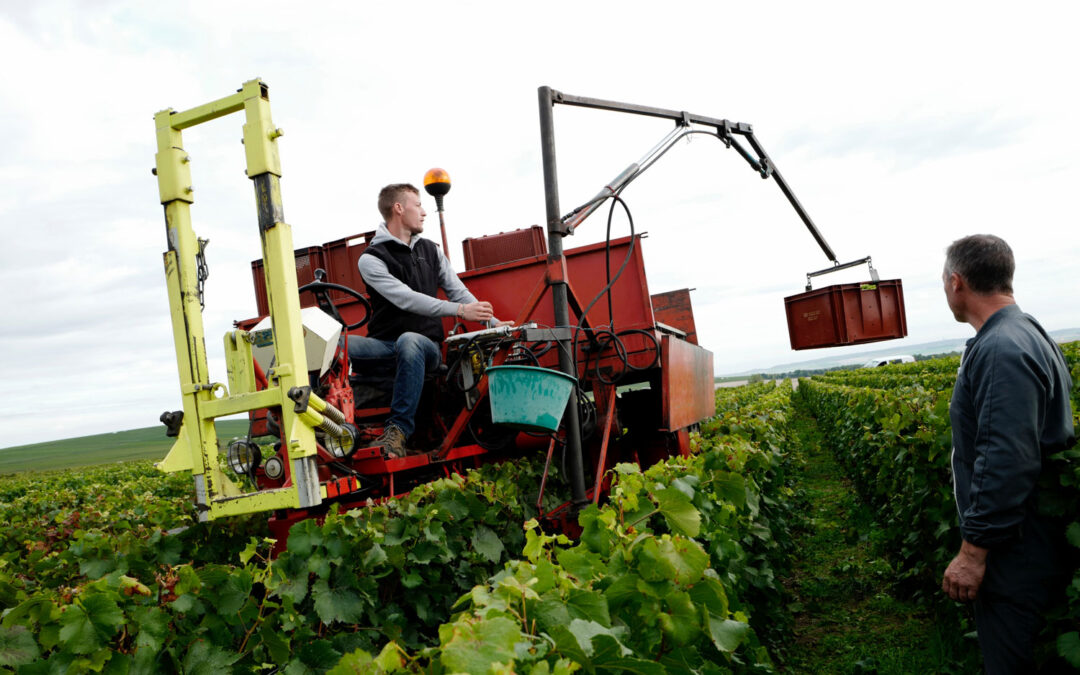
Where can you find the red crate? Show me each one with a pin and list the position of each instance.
(307, 261)
(504, 247)
(342, 257)
(673, 309)
(846, 314)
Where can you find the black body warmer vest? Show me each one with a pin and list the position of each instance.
(417, 268)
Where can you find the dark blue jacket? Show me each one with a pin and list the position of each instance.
(1009, 411)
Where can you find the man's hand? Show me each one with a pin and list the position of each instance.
(477, 311)
(965, 573)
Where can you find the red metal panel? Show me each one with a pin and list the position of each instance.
(687, 383)
(846, 314)
(673, 309)
(506, 286)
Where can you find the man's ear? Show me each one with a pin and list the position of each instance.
(957, 282)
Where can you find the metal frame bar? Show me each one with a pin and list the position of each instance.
(197, 444)
(763, 164)
(560, 304)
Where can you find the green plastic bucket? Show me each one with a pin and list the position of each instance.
(528, 398)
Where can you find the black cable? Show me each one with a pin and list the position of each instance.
(656, 347)
(607, 288)
(607, 338)
(466, 351)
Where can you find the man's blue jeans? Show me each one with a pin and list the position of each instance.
(415, 356)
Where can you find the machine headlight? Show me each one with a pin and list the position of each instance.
(275, 468)
(243, 456)
(346, 445)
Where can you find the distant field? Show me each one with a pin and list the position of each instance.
(119, 446)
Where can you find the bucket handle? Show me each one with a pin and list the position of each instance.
(842, 266)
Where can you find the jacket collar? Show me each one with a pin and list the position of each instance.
(382, 235)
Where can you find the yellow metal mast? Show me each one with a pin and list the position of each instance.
(196, 447)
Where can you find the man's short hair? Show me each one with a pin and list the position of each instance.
(984, 261)
(393, 194)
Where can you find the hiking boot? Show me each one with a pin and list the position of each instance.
(392, 442)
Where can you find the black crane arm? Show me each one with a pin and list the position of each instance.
(726, 131)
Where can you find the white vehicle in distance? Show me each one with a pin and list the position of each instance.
(886, 360)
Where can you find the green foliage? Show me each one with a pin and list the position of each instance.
(889, 429)
(107, 570)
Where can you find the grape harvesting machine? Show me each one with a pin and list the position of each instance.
(595, 370)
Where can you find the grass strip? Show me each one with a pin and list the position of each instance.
(847, 620)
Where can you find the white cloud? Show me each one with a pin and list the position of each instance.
(900, 129)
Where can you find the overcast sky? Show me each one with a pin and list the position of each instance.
(900, 127)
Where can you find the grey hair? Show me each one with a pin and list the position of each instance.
(984, 261)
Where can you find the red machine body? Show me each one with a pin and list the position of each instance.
(641, 397)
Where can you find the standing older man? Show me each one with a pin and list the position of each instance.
(1009, 411)
(403, 272)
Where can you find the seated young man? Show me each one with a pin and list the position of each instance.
(403, 272)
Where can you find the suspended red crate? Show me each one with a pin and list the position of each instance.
(846, 314)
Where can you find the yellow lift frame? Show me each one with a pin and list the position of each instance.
(196, 448)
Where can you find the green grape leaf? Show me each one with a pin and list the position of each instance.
(727, 634)
(551, 611)
(17, 646)
(276, 642)
(680, 622)
(204, 658)
(374, 557)
(354, 662)
(731, 487)
(589, 606)
(580, 563)
(454, 504)
(153, 626)
(424, 552)
(234, 592)
(595, 533)
(623, 590)
(585, 631)
(682, 561)
(186, 603)
(679, 512)
(1073, 533)
(188, 580)
(545, 574)
(474, 647)
(610, 656)
(686, 484)
(1068, 646)
(389, 659)
(89, 622)
(337, 604)
(304, 537)
(487, 544)
(567, 644)
(294, 582)
(97, 567)
(710, 593)
(319, 655)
